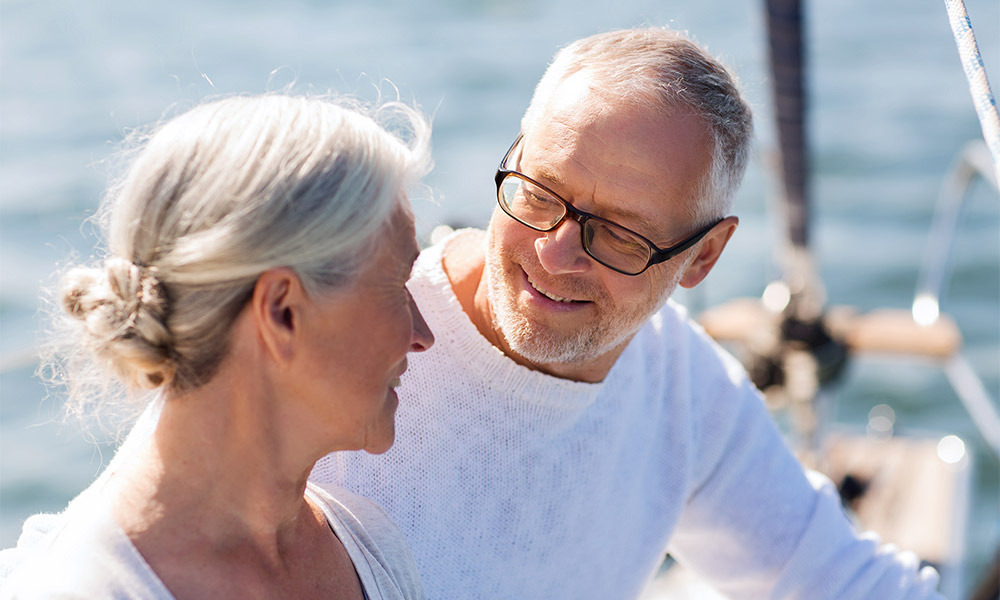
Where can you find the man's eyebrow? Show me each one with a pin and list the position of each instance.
(637, 223)
(623, 216)
(549, 176)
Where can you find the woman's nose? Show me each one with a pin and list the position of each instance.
(423, 338)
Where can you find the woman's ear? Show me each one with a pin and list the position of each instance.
(276, 307)
(709, 250)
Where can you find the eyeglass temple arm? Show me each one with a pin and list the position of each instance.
(668, 253)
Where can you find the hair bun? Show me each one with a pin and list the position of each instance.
(124, 310)
(137, 287)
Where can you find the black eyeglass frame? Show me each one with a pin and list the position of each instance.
(657, 254)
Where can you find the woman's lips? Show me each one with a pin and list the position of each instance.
(395, 381)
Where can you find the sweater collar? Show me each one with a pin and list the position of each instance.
(458, 334)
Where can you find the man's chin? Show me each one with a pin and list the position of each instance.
(538, 342)
(545, 348)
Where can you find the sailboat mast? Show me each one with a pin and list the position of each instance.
(786, 50)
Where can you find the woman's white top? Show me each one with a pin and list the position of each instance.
(87, 555)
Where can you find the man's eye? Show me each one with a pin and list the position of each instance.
(536, 199)
(621, 239)
(619, 236)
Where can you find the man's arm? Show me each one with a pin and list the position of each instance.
(756, 525)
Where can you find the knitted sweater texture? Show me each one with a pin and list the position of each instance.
(509, 483)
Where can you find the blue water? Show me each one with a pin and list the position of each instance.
(890, 109)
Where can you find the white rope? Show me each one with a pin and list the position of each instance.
(979, 86)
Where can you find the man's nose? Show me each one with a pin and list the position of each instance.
(561, 250)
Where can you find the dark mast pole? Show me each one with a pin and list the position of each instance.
(803, 329)
(786, 45)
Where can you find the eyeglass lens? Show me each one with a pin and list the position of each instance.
(609, 244)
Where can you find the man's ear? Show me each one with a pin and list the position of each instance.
(276, 307)
(709, 251)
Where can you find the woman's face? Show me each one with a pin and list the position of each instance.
(358, 338)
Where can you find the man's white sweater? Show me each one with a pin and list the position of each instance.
(509, 483)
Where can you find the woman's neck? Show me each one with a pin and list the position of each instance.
(219, 467)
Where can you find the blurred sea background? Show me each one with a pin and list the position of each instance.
(889, 111)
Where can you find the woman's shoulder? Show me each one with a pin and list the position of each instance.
(85, 556)
(366, 522)
(349, 506)
(375, 544)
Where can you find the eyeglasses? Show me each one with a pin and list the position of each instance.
(536, 206)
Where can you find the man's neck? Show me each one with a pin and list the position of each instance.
(464, 262)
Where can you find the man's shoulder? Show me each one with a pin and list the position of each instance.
(674, 331)
(671, 320)
(448, 272)
(460, 255)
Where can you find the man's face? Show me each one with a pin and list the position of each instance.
(553, 305)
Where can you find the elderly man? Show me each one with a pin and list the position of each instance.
(571, 425)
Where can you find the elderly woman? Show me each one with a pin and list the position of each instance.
(259, 249)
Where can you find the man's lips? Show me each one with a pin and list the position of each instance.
(550, 295)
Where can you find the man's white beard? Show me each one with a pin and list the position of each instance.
(541, 346)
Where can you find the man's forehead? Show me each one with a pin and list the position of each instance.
(604, 166)
(572, 90)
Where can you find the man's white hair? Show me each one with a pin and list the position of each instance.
(662, 68)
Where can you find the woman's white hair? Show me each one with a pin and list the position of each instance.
(663, 69)
(209, 201)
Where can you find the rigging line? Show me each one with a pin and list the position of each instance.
(979, 85)
(976, 399)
